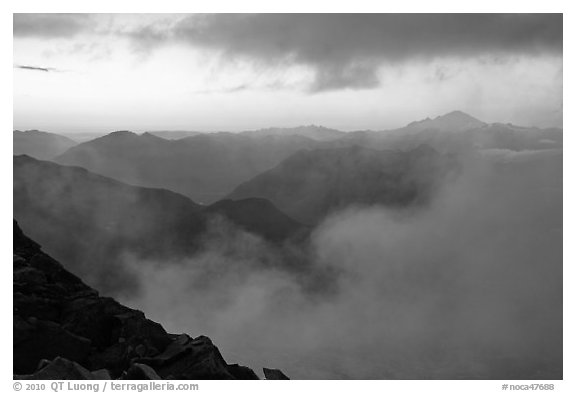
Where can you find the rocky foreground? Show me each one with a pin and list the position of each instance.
(64, 330)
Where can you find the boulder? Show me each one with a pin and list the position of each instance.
(241, 372)
(272, 373)
(187, 358)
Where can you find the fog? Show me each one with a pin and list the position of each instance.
(469, 287)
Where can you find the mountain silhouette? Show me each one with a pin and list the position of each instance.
(311, 184)
(453, 121)
(39, 144)
(456, 132)
(204, 167)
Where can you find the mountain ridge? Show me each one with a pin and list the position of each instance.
(40, 144)
(91, 222)
(204, 167)
(319, 133)
(452, 121)
(311, 184)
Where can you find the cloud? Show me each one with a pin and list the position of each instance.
(50, 25)
(346, 50)
(341, 51)
(33, 68)
(470, 287)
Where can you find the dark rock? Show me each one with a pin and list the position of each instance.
(101, 374)
(120, 334)
(187, 358)
(241, 372)
(36, 339)
(140, 372)
(61, 368)
(73, 333)
(272, 373)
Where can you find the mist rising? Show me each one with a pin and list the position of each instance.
(469, 287)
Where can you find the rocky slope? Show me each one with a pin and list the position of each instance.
(63, 329)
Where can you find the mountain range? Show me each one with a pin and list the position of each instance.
(138, 193)
(317, 133)
(207, 167)
(457, 132)
(92, 223)
(204, 167)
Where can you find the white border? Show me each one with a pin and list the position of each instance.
(8, 7)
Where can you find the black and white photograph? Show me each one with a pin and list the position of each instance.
(288, 196)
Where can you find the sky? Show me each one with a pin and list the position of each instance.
(235, 72)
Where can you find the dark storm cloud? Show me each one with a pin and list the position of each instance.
(342, 50)
(345, 50)
(50, 25)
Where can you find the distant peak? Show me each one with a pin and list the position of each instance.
(121, 134)
(457, 115)
(452, 121)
